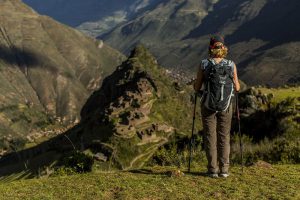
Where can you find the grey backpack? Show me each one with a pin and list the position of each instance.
(218, 85)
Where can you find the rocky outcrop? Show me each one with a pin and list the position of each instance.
(253, 100)
(128, 110)
(265, 115)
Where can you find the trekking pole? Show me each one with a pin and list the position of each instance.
(192, 137)
(239, 130)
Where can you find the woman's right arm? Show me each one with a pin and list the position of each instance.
(199, 81)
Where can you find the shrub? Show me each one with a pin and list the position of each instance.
(177, 152)
(286, 151)
(281, 150)
(13, 144)
(274, 134)
(76, 162)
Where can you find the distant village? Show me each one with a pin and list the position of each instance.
(180, 76)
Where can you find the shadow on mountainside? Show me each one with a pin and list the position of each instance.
(30, 162)
(278, 17)
(24, 58)
(80, 137)
(221, 12)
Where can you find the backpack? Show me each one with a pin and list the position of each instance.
(218, 80)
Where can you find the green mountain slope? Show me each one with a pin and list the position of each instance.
(47, 70)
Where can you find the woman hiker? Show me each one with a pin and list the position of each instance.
(219, 79)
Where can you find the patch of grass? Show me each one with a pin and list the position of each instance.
(282, 93)
(279, 182)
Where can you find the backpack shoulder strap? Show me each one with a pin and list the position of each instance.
(229, 67)
(204, 64)
(231, 64)
(211, 62)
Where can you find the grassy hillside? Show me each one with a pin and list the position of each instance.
(282, 93)
(47, 71)
(277, 182)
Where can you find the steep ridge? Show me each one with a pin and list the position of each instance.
(137, 109)
(47, 70)
(262, 35)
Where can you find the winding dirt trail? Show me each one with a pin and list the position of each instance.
(148, 151)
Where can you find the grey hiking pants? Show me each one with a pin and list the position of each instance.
(217, 138)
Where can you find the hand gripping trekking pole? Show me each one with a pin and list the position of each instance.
(239, 129)
(192, 137)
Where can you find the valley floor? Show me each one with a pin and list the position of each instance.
(278, 182)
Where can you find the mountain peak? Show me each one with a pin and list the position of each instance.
(141, 58)
(132, 75)
(135, 110)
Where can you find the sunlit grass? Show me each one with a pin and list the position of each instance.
(282, 93)
(278, 182)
